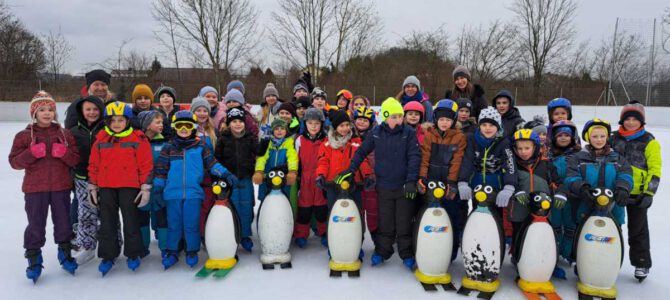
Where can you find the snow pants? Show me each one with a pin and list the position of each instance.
(638, 235)
(243, 200)
(564, 225)
(370, 210)
(395, 223)
(110, 202)
(311, 202)
(183, 220)
(454, 209)
(37, 209)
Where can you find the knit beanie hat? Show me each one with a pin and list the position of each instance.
(40, 99)
(146, 117)
(411, 80)
(536, 125)
(235, 114)
(490, 115)
(391, 106)
(338, 117)
(235, 84)
(200, 102)
(234, 95)
(97, 75)
(314, 113)
(461, 71)
(287, 106)
(300, 86)
(208, 89)
(166, 90)
(278, 122)
(633, 109)
(270, 89)
(303, 102)
(142, 90)
(318, 92)
(464, 103)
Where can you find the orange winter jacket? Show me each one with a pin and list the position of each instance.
(441, 156)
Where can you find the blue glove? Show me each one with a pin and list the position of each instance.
(231, 179)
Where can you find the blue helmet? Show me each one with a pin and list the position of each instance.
(592, 123)
(559, 102)
(184, 116)
(118, 108)
(445, 108)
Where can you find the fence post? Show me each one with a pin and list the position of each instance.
(651, 64)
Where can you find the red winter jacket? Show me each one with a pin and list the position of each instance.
(334, 161)
(118, 162)
(308, 151)
(47, 174)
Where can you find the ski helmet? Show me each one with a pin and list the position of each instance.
(415, 106)
(445, 108)
(526, 135)
(559, 102)
(365, 113)
(565, 126)
(595, 123)
(118, 108)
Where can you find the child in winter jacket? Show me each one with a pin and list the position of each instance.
(364, 122)
(466, 122)
(442, 154)
(535, 174)
(560, 109)
(489, 160)
(511, 118)
(47, 152)
(237, 149)
(167, 97)
(414, 116)
(154, 214)
(120, 167)
(207, 132)
(562, 219)
(538, 126)
(179, 173)
(235, 98)
(598, 166)
(217, 110)
(643, 152)
(397, 169)
(279, 153)
(311, 201)
(89, 111)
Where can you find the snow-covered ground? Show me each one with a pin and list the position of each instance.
(307, 280)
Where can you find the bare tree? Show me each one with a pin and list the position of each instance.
(358, 28)
(435, 42)
(57, 51)
(545, 31)
(21, 52)
(136, 63)
(167, 36)
(576, 63)
(301, 30)
(224, 30)
(623, 56)
(489, 53)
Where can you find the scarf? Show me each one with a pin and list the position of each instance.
(481, 140)
(276, 142)
(406, 99)
(337, 141)
(631, 135)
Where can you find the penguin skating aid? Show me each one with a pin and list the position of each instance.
(434, 241)
(599, 247)
(222, 233)
(483, 246)
(535, 252)
(345, 235)
(275, 224)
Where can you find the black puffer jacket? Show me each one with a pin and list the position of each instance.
(85, 134)
(238, 155)
(478, 100)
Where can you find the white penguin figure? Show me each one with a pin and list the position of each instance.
(483, 245)
(222, 233)
(535, 252)
(345, 235)
(275, 224)
(434, 241)
(599, 250)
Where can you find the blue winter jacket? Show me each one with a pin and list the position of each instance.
(493, 165)
(585, 167)
(156, 202)
(397, 155)
(180, 168)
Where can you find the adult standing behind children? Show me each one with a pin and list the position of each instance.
(464, 88)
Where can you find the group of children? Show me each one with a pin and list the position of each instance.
(154, 164)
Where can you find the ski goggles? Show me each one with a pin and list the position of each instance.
(183, 125)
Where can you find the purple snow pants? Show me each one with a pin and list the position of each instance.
(37, 210)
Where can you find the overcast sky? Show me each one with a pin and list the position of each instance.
(97, 27)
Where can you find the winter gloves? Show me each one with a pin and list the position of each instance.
(621, 197)
(342, 177)
(231, 179)
(92, 191)
(645, 201)
(586, 194)
(521, 197)
(291, 177)
(464, 191)
(504, 195)
(58, 150)
(142, 198)
(560, 200)
(369, 183)
(321, 182)
(451, 191)
(410, 190)
(257, 178)
(38, 150)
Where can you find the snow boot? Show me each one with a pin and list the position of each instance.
(191, 259)
(35, 267)
(641, 273)
(361, 254)
(376, 259)
(559, 273)
(134, 263)
(84, 255)
(247, 244)
(301, 242)
(105, 266)
(170, 259)
(324, 241)
(409, 263)
(65, 258)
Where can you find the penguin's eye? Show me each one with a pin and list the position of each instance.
(537, 198)
(478, 188)
(488, 189)
(609, 193)
(271, 174)
(442, 185)
(223, 184)
(597, 192)
(280, 174)
(432, 185)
